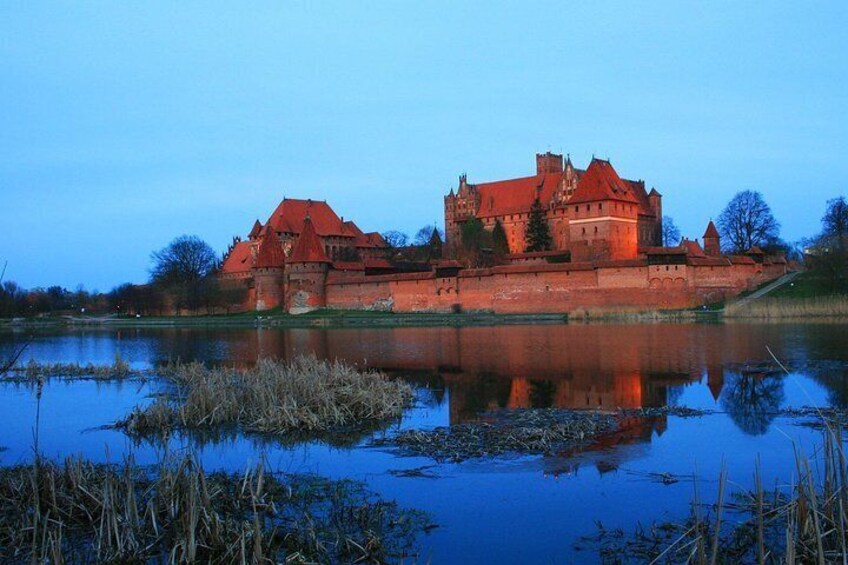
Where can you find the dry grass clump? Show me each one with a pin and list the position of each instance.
(516, 431)
(305, 394)
(34, 370)
(79, 512)
(803, 522)
(833, 306)
(528, 431)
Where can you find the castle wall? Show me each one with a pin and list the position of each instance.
(552, 288)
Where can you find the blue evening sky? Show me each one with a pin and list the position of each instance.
(123, 125)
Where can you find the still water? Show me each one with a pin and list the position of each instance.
(505, 510)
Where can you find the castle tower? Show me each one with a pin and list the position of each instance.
(548, 164)
(655, 202)
(712, 241)
(306, 272)
(268, 271)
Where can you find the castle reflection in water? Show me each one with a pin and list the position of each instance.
(595, 366)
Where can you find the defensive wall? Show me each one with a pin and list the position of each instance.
(566, 287)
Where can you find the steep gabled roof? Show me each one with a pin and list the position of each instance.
(270, 252)
(254, 232)
(755, 251)
(360, 238)
(239, 260)
(376, 239)
(516, 196)
(693, 249)
(601, 182)
(308, 248)
(289, 216)
(711, 231)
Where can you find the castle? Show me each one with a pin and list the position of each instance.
(605, 252)
(593, 213)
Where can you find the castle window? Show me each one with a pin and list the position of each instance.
(584, 231)
(587, 207)
(576, 209)
(600, 206)
(596, 229)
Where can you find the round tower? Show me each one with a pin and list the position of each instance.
(268, 271)
(306, 272)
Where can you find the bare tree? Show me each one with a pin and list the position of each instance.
(181, 267)
(835, 222)
(747, 221)
(670, 232)
(396, 239)
(425, 234)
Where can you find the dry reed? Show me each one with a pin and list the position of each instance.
(35, 370)
(303, 395)
(832, 306)
(803, 522)
(80, 512)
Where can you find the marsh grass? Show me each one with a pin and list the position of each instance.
(81, 512)
(830, 306)
(35, 371)
(805, 521)
(304, 395)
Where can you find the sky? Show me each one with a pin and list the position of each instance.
(124, 125)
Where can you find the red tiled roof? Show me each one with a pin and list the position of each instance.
(711, 231)
(254, 232)
(755, 251)
(676, 250)
(693, 248)
(360, 238)
(601, 182)
(239, 260)
(270, 252)
(376, 239)
(708, 261)
(289, 216)
(308, 248)
(515, 195)
(349, 265)
(378, 264)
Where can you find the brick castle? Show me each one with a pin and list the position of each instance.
(606, 253)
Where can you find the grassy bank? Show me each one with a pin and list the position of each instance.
(302, 395)
(809, 295)
(80, 512)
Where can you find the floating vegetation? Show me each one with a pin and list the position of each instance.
(804, 522)
(814, 417)
(34, 371)
(305, 395)
(529, 431)
(80, 512)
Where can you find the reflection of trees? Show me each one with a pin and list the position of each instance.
(833, 376)
(752, 401)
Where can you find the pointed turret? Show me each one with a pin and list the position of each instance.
(270, 254)
(254, 232)
(308, 248)
(712, 241)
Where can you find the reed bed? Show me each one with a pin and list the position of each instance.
(81, 512)
(832, 306)
(34, 371)
(302, 395)
(529, 431)
(805, 521)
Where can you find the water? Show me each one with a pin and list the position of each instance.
(511, 509)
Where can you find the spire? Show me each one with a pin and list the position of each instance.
(254, 232)
(308, 248)
(270, 251)
(711, 231)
